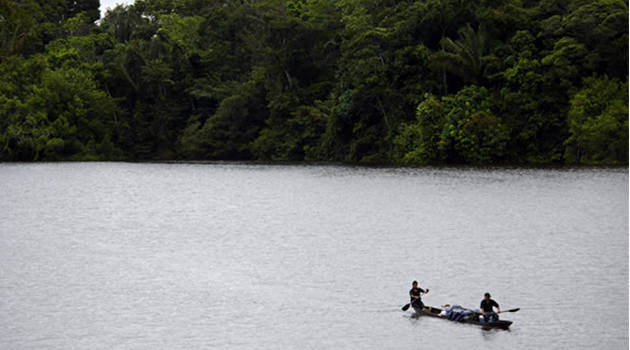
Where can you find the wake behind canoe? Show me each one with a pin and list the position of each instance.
(471, 319)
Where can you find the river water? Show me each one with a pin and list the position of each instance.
(242, 256)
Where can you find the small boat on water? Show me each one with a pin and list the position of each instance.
(472, 318)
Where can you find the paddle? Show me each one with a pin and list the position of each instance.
(406, 307)
(511, 310)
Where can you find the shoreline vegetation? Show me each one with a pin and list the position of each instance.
(356, 165)
(483, 83)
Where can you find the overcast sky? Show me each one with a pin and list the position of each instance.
(111, 4)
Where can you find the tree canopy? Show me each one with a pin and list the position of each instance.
(404, 82)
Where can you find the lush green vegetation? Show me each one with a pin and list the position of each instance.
(409, 82)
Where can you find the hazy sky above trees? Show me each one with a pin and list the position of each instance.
(112, 3)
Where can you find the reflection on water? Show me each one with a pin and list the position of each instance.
(193, 256)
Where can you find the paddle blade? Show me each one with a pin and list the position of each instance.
(406, 307)
(513, 310)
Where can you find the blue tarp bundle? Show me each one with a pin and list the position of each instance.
(456, 313)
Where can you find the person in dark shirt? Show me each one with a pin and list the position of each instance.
(487, 310)
(414, 294)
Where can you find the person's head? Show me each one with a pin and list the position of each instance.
(415, 284)
(486, 296)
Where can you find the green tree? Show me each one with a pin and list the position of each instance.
(472, 133)
(54, 113)
(598, 123)
(468, 57)
(18, 28)
(417, 143)
(533, 107)
(228, 133)
(458, 129)
(89, 7)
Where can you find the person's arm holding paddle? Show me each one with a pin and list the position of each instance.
(416, 297)
(495, 304)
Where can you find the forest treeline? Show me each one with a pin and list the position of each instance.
(404, 82)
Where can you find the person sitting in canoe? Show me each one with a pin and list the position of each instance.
(414, 294)
(487, 310)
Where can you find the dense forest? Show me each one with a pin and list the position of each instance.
(403, 82)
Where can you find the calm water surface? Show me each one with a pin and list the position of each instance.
(195, 256)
